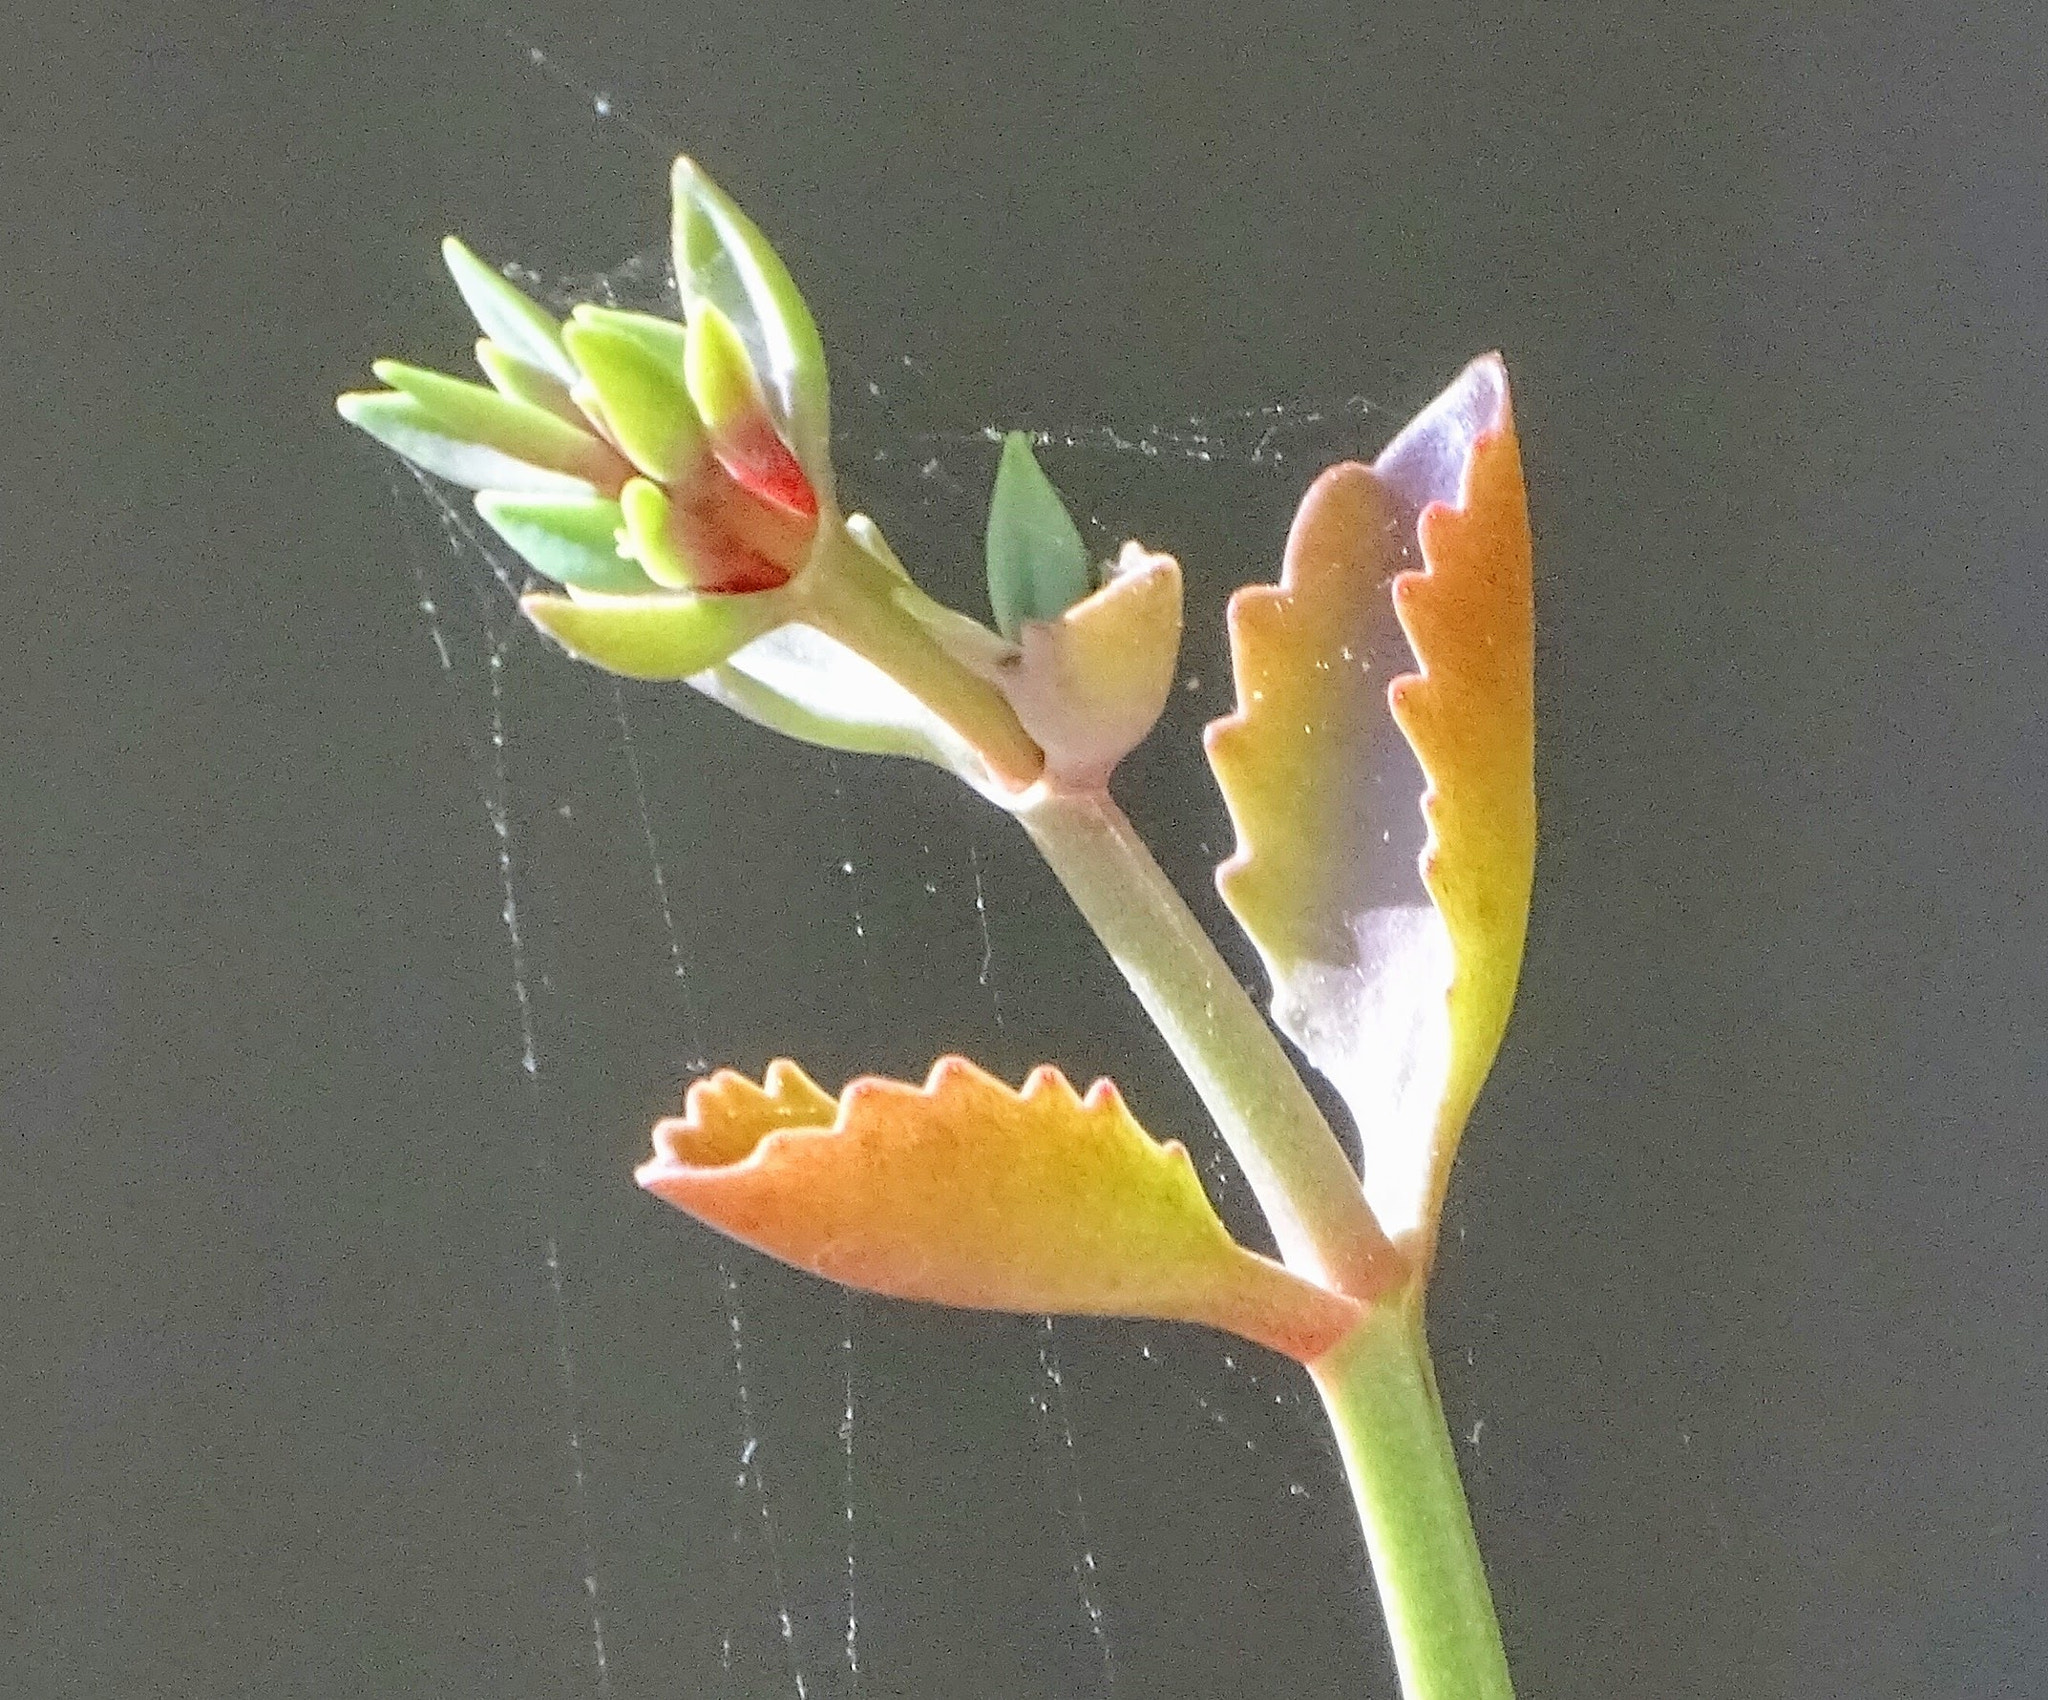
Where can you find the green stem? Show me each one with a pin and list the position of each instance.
(1380, 1392)
(1376, 1384)
(1297, 1170)
(853, 597)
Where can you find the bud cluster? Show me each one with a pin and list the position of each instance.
(673, 479)
(618, 453)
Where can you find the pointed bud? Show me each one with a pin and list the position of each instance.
(724, 261)
(522, 327)
(572, 540)
(734, 409)
(640, 391)
(473, 413)
(1038, 566)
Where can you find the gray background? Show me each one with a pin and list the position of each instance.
(1745, 1297)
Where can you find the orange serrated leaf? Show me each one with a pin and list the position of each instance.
(1393, 935)
(1470, 715)
(964, 1192)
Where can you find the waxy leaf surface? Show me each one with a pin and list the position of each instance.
(722, 259)
(1395, 654)
(655, 636)
(505, 314)
(525, 382)
(1091, 681)
(572, 539)
(405, 425)
(803, 684)
(964, 1192)
(640, 388)
(1038, 564)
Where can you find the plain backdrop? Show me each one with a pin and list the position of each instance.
(342, 1357)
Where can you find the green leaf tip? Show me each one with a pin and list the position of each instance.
(505, 314)
(640, 389)
(1038, 565)
(723, 260)
(657, 637)
(573, 540)
(475, 413)
(720, 371)
(403, 424)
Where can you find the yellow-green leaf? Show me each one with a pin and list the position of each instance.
(477, 413)
(655, 636)
(525, 382)
(640, 388)
(410, 429)
(571, 539)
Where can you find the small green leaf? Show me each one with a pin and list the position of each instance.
(512, 376)
(656, 636)
(477, 414)
(1038, 566)
(522, 327)
(571, 539)
(642, 395)
(720, 373)
(651, 539)
(663, 339)
(403, 424)
(721, 258)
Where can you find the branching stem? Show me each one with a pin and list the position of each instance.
(1377, 1384)
(1297, 1169)
(853, 597)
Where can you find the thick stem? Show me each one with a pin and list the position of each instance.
(1380, 1392)
(852, 597)
(1296, 1168)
